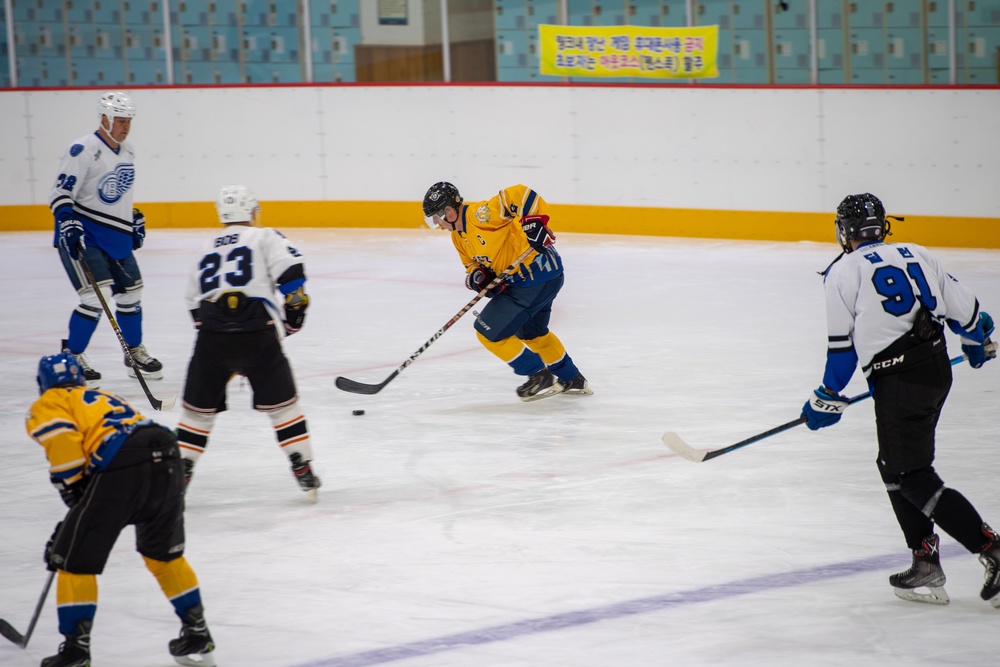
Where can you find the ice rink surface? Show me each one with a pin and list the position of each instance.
(460, 526)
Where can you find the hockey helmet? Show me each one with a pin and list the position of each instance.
(236, 203)
(59, 370)
(115, 104)
(437, 198)
(860, 218)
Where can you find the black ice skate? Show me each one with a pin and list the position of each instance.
(925, 572)
(92, 377)
(304, 475)
(578, 386)
(990, 558)
(194, 646)
(540, 385)
(75, 651)
(150, 368)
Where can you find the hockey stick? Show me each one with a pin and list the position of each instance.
(362, 388)
(675, 443)
(155, 402)
(8, 631)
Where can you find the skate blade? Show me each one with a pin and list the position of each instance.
(995, 601)
(155, 375)
(936, 595)
(196, 660)
(313, 495)
(551, 391)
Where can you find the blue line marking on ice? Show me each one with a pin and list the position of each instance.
(498, 633)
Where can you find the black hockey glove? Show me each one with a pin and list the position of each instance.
(47, 556)
(138, 229)
(480, 277)
(295, 310)
(71, 494)
(535, 229)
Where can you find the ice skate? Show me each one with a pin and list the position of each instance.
(926, 573)
(194, 646)
(92, 377)
(577, 386)
(304, 475)
(990, 558)
(540, 385)
(75, 651)
(150, 368)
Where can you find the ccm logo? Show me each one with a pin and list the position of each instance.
(888, 362)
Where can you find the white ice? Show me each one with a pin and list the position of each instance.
(459, 526)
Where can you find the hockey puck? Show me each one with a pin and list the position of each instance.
(358, 413)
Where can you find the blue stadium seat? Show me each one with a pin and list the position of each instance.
(146, 72)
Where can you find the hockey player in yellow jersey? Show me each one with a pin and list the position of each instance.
(489, 236)
(112, 468)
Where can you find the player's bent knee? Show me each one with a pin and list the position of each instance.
(922, 488)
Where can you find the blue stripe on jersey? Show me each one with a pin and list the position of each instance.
(840, 365)
(52, 426)
(106, 451)
(529, 201)
(291, 286)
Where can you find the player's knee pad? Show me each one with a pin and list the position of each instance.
(548, 347)
(193, 430)
(922, 489)
(506, 350)
(128, 301)
(291, 430)
(90, 300)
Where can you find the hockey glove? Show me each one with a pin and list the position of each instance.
(47, 556)
(71, 237)
(138, 229)
(980, 354)
(71, 494)
(295, 311)
(539, 235)
(480, 277)
(824, 408)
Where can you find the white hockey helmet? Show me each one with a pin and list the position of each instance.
(236, 203)
(115, 104)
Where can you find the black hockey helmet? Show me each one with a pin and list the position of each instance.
(440, 195)
(860, 218)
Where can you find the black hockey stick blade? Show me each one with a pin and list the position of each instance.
(686, 451)
(346, 384)
(8, 631)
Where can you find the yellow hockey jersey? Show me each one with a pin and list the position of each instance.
(489, 234)
(81, 429)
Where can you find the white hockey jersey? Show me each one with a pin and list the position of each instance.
(257, 262)
(95, 182)
(872, 298)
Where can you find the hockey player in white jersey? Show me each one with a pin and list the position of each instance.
(886, 306)
(234, 300)
(91, 201)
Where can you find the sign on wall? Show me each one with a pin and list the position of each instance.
(629, 51)
(392, 12)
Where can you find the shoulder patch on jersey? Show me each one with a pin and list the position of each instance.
(483, 213)
(75, 149)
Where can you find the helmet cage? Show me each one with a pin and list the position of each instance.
(59, 370)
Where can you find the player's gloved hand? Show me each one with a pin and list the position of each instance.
(539, 235)
(71, 236)
(980, 354)
(480, 277)
(824, 408)
(295, 310)
(138, 229)
(47, 556)
(71, 494)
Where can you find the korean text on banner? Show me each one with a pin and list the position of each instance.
(629, 51)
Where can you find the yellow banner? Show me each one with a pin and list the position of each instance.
(629, 51)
